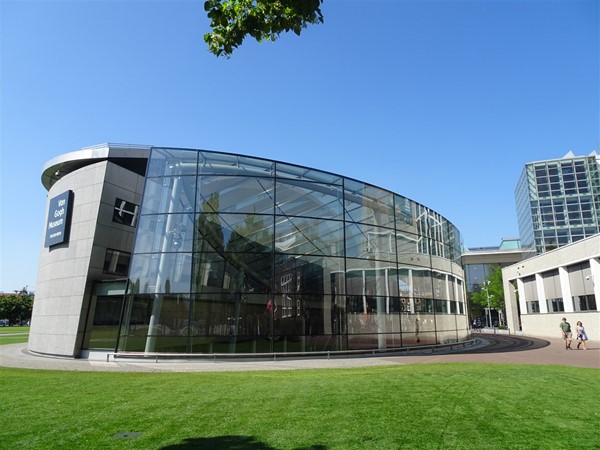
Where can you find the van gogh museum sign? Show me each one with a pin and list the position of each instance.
(59, 219)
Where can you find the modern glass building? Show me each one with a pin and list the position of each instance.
(558, 202)
(224, 253)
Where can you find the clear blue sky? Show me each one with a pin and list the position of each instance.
(440, 101)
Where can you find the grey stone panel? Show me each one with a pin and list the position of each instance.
(67, 271)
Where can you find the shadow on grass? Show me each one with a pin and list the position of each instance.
(229, 443)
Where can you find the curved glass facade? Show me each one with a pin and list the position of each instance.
(235, 254)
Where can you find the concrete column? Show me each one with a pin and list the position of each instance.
(522, 298)
(595, 269)
(565, 289)
(510, 300)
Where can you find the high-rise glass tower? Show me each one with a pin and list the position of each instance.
(558, 201)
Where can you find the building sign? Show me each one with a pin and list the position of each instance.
(59, 219)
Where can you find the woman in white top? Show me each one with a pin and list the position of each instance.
(581, 335)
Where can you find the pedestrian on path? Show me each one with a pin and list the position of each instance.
(581, 335)
(566, 333)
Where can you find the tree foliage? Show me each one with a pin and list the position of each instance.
(493, 286)
(232, 20)
(15, 307)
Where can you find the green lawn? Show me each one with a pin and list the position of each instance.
(21, 334)
(422, 406)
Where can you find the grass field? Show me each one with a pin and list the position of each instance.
(21, 334)
(443, 406)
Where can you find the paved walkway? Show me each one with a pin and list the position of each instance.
(489, 349)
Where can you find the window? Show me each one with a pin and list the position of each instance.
(286, 288)
(453, 307)
(533, 307)
(585, 303)
(555, 305)
(125, 212)
(116, 262)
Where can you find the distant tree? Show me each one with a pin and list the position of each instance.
(232, 20)
(16, 307)
(493, 285)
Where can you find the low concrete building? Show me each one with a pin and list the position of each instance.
(565, 282)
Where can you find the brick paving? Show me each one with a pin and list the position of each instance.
(489, 348)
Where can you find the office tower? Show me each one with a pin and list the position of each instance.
(558, 201)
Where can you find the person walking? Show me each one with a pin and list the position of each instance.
(581, 335)
(566, 332)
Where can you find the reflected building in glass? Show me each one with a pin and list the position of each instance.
(240, 254)
(236, 254)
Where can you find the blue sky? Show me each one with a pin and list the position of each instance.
(440, 101)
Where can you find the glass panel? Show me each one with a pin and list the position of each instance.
(441, 306)
(300, 198)
(405, 215)
(169, 195)
(423, 305)
(306, 315)
(212, 163)
(236, 194)
(307, 174)
(422, 283)
(407, 244)
(156, 323)
(368, 204)
(370, 281)
(309, 236)
(105, 327)
(312, 274)
(369, 242)
(160, 272)
(234, 233)
(232, 272)
(440, 285)
(231, 324)
(168, 162)
(165, 233)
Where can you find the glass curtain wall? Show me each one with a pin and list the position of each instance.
(558, 202)
(235, 254)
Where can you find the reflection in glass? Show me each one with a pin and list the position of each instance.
(236, 194)
(368, 204)
(309, 236)
(301, 198)
(370, 242)
(169, 162)
(165, 233)
(169, 195)
(214, 163)
(235, 254)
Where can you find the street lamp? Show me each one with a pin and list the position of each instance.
(487, 293)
